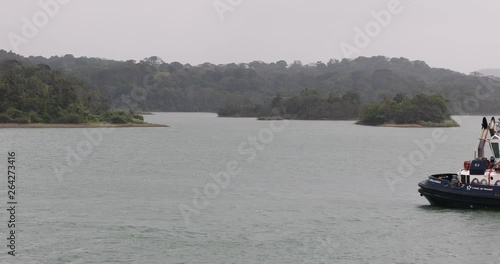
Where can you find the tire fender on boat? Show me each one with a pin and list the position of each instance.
(497, 182)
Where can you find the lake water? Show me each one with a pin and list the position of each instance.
(298, 192)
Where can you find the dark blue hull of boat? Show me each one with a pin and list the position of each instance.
(441, 192)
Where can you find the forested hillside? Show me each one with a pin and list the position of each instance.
(155, 85)
(38, 94)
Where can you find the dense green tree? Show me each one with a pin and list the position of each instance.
(421, 109)
(38, 94)
(308, 105)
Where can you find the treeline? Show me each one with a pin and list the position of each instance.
(309, 105)
(38, 94)
(155, 85)
(426, 110)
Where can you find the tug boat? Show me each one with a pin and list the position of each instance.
(477, 184)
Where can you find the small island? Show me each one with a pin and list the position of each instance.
(38, 97)
(422, 110)
(402, 111)
(309, 105)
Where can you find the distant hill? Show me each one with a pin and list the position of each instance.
(155, 85)
(492, 72)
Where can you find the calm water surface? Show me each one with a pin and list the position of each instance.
(316, 192)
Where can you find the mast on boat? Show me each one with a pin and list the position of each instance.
(484, 134)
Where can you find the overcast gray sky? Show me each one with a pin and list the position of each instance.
(462, 35)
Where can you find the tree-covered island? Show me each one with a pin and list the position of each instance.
(37, 95)
(309, 105)
(420, 110)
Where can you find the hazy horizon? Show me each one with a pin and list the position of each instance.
(450, 34)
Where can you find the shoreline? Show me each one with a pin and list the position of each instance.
(449, 123)
(403, 125)
(414, 125)
(84, 125)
